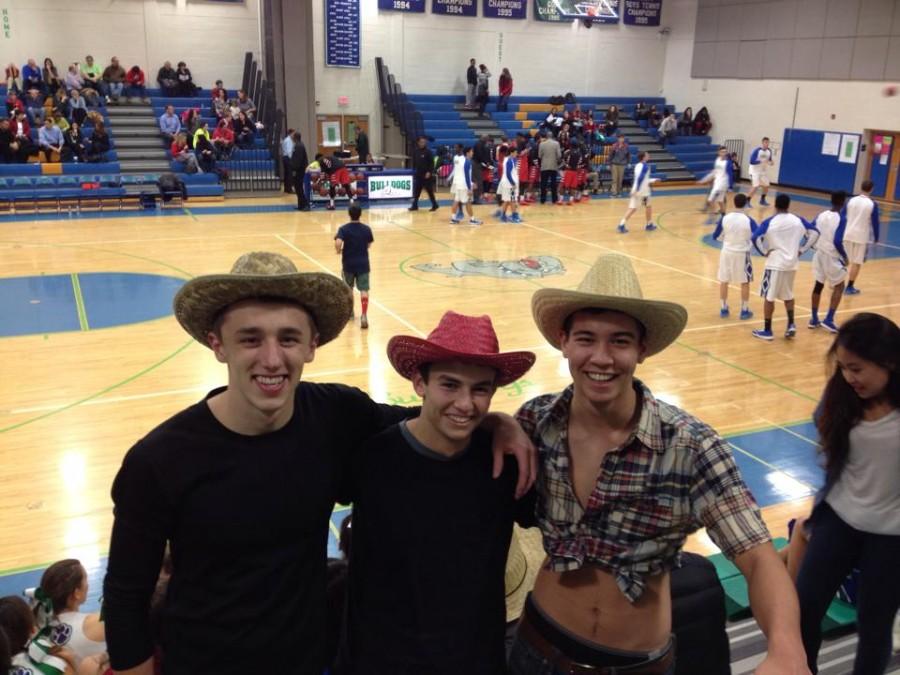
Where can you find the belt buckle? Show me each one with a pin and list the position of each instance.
(578, 668)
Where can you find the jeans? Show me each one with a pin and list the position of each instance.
(835, 548)
(428, 184)
(502, 104)
(115, 89)
(470, 95)
(549, 177)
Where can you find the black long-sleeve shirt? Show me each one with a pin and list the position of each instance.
(423, 161)
(248, 519)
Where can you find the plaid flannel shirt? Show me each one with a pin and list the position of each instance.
(673, 475)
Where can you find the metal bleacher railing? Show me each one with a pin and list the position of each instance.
(398, 106)
(251, 174)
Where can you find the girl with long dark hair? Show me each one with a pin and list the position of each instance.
(856, 520)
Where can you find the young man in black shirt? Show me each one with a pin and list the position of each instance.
(423, 166)
(431, 530)
(241, 484)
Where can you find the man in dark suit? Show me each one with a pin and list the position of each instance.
(299, 162)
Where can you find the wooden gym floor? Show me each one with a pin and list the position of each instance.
(92, 358)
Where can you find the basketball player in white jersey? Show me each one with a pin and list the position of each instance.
(862, 229)
(760, 161)
(461, 187)
(736, 229)
(830, 260)
(722, 179)
(640, 193)
(508, 187)
(783, 238)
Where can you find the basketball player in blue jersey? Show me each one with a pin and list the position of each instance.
(640, 193)
(760, 161)
(736, 229)
(783, 238)
(508, 187)
(461, 188)
(722, 179)
(830, 260)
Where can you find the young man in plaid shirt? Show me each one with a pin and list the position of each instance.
(623, 479)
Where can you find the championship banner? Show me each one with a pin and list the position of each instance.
(402, 5)
(504, 9)
(342, 33)
(595, 11)
(454, 7)
(641, 12)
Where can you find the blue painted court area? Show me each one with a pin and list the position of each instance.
(778, 465)
(57, 303)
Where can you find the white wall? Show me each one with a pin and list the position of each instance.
(751, 109)
(429, 54)
(210, 37)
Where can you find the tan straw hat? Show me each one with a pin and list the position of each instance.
(469, 339)
(266, 276)
(523, 562)
(610, 284)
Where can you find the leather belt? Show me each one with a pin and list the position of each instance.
(657, 666)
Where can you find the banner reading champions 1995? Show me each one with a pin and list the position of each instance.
(454, 7)
(598, 11)
(504, 9)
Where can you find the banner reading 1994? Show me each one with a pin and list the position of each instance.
(504, 9)
(454, 7)
(402, 5)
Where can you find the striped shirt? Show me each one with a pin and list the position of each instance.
(672, 476)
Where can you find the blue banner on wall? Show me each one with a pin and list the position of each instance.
(596, 11)
(504, 9)
(641, 12)
(402, 5)
(342, 33)
(454, 7)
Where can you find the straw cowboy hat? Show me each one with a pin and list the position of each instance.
(470, 339)
(263, 275)
(610, 284)
(523, 562)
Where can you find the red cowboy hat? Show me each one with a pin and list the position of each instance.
(469, 339)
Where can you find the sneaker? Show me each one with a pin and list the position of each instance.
(724, 313)
(434, 208)
(830, 326)
(413, 208)
(498, 213)
(813, 324)
(515, 218)
(762, 202)
(330, 207)
(474, 222)
(763, 334)
(790, 331)
(851, 290)
(504, 219)
(454, 221)
(711, 220)
(650, 227)
(746, 314)
(749, 204)
(621, 229)
(364, 322)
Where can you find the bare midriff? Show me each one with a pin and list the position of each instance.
(588, 603)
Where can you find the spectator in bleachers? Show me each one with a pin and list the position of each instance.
(50, 139)
(167, 79)
(169, 124)
(10, 149)
(65, 584)
(98, 144)
(619, 158)
(202, 130)
(654, 118)
(214, 93)
(60, 101)
(13, 79)
(482, 90)
(60, 120)
(51, 76)
(223, 139)
(185, 86)
(611, 120)
(471, 83)
(73, 150)
(22, 132)
(137, 82)
(668, 128)
(13, 103)
(221, 107)
(246, 104)
(686, 123)
(182, 153)
(90, 73)
(73, 80)
(702, 123)
(205, 151)
(287, 149)
(77, 107)
(190, 122)
(641, 111)
(32, 78)
(505, 88)
(34, 106)
(244, 131)
(114, 79)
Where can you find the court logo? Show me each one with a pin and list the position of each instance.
(531, 267)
